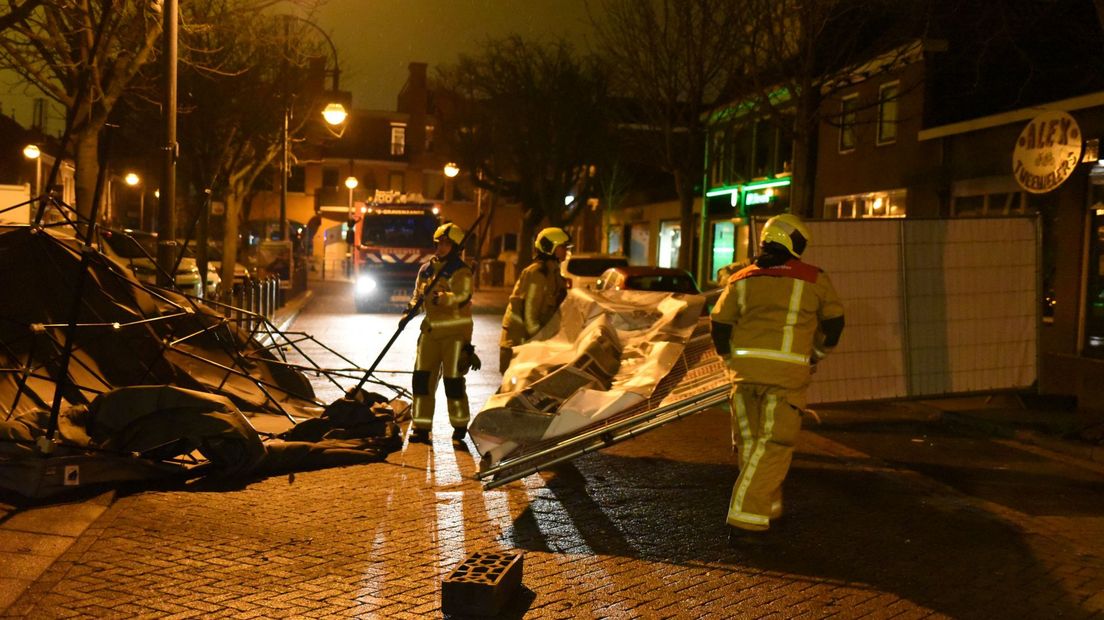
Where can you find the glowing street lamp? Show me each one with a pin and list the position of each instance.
(334, 114)
(31, 151)
(133, 180)
(351, 182)
(451, 170)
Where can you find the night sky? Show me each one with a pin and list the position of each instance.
(376, 39)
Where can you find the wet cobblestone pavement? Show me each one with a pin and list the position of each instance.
(887, 517)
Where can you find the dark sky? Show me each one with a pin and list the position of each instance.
(377, 39)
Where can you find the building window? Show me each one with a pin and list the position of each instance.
(297, 179)
(396, 182)
(670, 238)
(398, 139)
(329, 176)
(848, 114)
(887, 113)
(1094, 299)
(890, 203)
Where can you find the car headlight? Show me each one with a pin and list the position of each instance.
(365, 285)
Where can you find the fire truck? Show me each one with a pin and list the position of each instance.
(391, 240)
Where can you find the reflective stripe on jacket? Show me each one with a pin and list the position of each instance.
(775, 313)
(448, 304)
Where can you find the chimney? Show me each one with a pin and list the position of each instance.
(413, 100)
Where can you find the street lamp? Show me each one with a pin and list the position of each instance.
(451, 170)
(351, 183)
(133, 180)
(31, 151)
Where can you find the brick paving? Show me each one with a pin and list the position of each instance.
(633, 532)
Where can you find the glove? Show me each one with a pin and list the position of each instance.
(468, 359)
(406, 317)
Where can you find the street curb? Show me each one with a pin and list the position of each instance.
(32, 540)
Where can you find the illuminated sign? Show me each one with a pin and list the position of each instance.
(757, 198)
(391, 211)
(1046, 152)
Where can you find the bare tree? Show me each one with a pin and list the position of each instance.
(529, 117)
(672, 61)
(17, 13)
(83, 55)
(799, 54)
(252, 73)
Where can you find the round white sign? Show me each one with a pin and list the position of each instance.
(1047, 151)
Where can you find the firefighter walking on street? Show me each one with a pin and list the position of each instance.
(537, 294)
(444, 345)
(776, 318)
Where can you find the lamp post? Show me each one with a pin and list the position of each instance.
(350, 182)
(334, 115)
(450, 170)
(133, 180)
(31, 151)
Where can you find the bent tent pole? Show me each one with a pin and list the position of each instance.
(599, 436)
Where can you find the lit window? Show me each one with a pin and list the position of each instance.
(398, 139)
(847, 123)
(887, 113)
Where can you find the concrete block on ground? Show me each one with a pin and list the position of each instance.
(482, 583)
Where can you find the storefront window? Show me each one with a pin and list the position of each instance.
(670, 238)
(724, 247)
(870, 205)
(1094, 299)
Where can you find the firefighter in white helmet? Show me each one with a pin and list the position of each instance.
(537, 294)
(444, 346)
(776, 318)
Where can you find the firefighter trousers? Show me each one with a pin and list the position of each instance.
(439, 354)
(765, 426)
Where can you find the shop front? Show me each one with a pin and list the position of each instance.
(730, 211)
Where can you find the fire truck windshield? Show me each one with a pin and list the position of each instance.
(406, 231)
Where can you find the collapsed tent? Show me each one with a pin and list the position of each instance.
(103, 378)
(607, 355)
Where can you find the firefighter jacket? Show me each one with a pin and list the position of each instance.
(537, 294)
(448, 305)
(777, 315)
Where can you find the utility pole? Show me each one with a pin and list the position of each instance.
(166, 214)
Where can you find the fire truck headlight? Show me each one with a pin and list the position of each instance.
(365, 285)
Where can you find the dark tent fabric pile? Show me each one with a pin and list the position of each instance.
(156, 386)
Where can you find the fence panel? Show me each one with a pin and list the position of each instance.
(932, 306)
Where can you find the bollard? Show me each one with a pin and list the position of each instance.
(274, 294)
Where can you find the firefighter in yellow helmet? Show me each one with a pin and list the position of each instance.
(537, 294)
(444, 346)
(776, 318)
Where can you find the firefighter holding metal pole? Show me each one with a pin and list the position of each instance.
(444, 346)
(537, 294)
(776, 318)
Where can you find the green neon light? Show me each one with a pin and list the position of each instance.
(747, 187)
(723, 191)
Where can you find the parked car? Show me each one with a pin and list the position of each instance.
(661, 279)
(656, 279)
(583, 269)
(214, 262)
(137, 250)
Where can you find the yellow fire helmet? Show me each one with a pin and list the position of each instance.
(449, 231)
(788, 231)
(551, 238)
